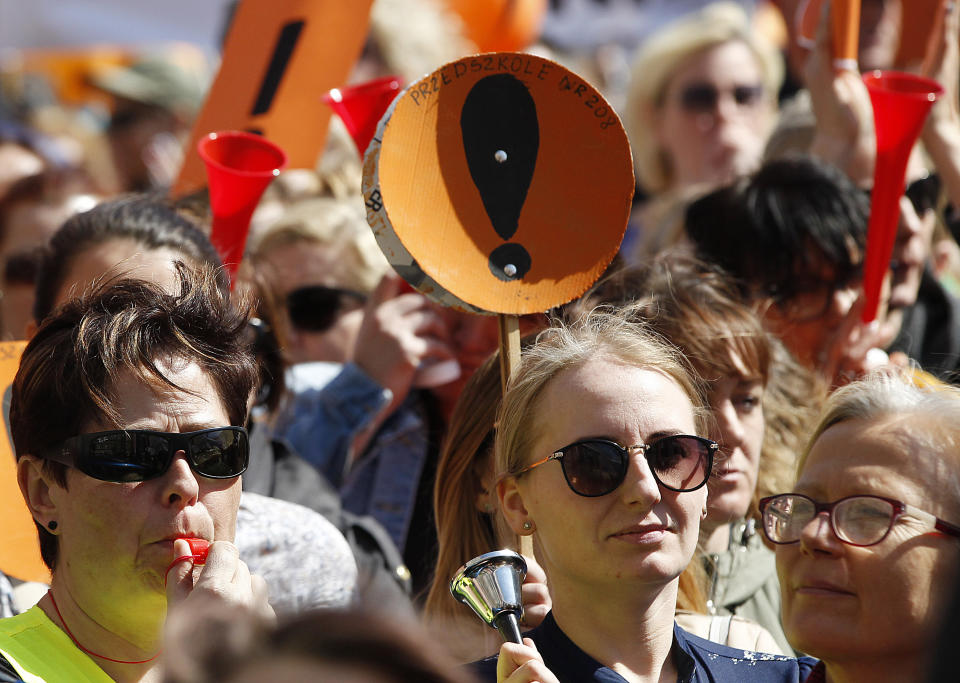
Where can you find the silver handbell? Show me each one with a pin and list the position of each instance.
(490, 585)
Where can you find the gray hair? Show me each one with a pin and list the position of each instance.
(929, 409)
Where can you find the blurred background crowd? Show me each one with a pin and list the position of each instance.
(370, 483)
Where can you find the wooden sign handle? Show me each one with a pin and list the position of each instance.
(509, 347)
(509, 360)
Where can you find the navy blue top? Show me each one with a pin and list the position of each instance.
(697, 661)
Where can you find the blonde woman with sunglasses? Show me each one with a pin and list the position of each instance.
(603, 461)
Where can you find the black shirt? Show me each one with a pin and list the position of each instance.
(697, 661)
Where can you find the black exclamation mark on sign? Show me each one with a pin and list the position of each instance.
(501, 137)
(282, 51)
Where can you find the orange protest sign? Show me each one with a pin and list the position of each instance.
(279, 58)
(499, 183)
(20, 550)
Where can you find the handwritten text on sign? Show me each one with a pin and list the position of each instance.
(518, 65)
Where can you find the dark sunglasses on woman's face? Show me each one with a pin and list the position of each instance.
(596, 467)
(315, 308)
(129, 455)
(924, 193)
(702, 98)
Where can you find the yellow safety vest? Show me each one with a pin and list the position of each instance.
(42, 653)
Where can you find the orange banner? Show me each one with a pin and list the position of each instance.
(280, 57)
(20, 551)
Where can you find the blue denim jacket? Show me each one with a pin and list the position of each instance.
(383, 482)
(320, 423)
(328, 405)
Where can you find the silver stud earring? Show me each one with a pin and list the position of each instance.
(528, 525)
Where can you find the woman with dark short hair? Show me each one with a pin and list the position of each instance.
(127, 418)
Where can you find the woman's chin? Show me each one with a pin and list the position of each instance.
(723, 509)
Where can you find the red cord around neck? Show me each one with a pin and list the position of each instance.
(91, 652)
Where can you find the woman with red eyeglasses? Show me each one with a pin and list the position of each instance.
(603, 462)
(869, 540)
(126, 416)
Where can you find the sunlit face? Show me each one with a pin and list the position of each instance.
(841, 602)
(133, 143)
(808, 321)
(714, 143)
(472, 338)
(736, 404)
(640, 534)
(122, 256)
(116, 540)
(303, 264)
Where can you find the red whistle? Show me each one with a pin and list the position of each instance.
(198, 554)
(198, 548)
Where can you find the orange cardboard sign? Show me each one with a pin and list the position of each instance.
(500, 183)
(279, 58)
(20, 550)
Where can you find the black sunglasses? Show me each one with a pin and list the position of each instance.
(315, 308)
(596, 467)
(137, 455)
(702, 98)
(924, 193)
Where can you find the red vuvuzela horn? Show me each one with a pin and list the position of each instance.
(361, 106)
(901, 102)
(239, 168)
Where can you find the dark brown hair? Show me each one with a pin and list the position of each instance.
(149, 221)
(773, 230)
(69, 369)
(696, 307)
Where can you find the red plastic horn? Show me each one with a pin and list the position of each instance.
(239, 168)
(360, 107)
(901, 102)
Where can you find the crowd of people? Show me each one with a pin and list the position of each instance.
(715, 470)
